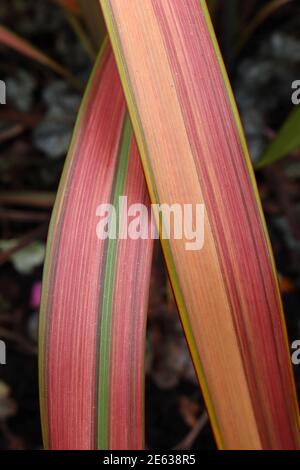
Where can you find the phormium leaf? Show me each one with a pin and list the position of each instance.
(94, 300)
(193, 151)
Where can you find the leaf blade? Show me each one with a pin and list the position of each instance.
(286, 141)
(77, 335)
(198, 153)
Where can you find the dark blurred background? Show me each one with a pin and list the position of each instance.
(260, 41)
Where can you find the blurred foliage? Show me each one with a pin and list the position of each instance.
(287, 140)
